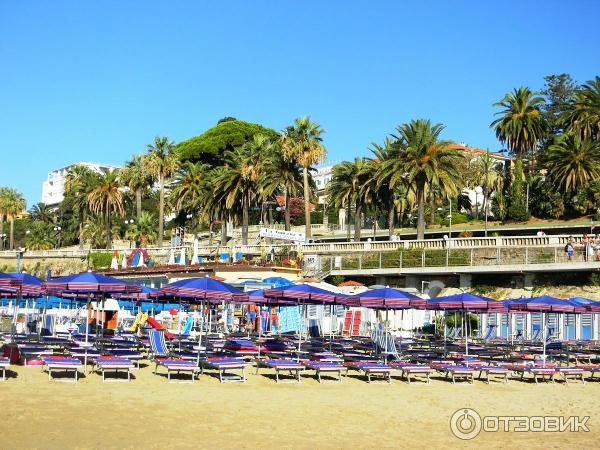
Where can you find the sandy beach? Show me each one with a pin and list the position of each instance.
(150, 413)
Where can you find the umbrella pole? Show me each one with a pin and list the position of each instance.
(465, 318)
(544, 338)
(445, 332)
(300, 331)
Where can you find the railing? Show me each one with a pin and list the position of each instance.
(334, 248)
(450, 257)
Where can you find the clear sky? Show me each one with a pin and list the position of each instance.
(96, 81)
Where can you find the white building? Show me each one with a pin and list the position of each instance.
(53, 189)
(322, 177)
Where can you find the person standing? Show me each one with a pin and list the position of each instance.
(569, 250)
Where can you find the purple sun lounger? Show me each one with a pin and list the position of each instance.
(327, 367)
(493, 371)
(408, 370)
(373, 369)
(571, 373)
(224, 366)
(54, 363)
(294, 368)
(177, 366)
(111, 364)
(458, 372)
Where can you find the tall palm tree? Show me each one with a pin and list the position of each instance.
(107, 198)
(572, 161)
(388, 196)
(161, 162)
(79, 182)
(135, 176)
(341, 189)
(280, 174)
(41, 212)
(143, 230)
(239, 182)
(4, 195)
(14, 204)
(422, 160)
(521, 124)
(188, 190)
(302, 142)
(584, 114)
(489, 176)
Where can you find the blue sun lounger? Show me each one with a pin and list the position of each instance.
(54, 363)
(177, 366)
(321, 367)
(458, 372)
(373, 369)
(158, 345)
(224, 366)
(110, 364)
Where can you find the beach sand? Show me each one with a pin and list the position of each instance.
(149, 413)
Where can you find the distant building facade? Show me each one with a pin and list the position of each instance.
(53, 189)
(322, 177)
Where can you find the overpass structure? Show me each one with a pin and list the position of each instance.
(413, 260)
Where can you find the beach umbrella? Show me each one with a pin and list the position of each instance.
(545, 304)
(278, 282)
(18, 286)
(124, 262)
(172, 257)
(182, 257)
(88, 285)
(195, 254)
(114, 263)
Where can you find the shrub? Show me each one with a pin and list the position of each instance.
(100, 260)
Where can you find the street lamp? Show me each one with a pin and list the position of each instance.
(3, 236)
(57, 230)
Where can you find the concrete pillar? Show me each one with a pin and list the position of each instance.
(528, 279)
(465, 280)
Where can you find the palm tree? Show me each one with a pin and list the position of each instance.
(302, 142)
(136, 178)
(280, 174)
(341, 189)
(40, 236)
(422, 161)
(489, 178)
(79, 182)
(144, 230)
(94, 232)
(584, 114)
(238, 184)
(572, 161)
(188, 191)
(106, 198)
(4, 194)
(14, 204)
(521, 124)
(41, 212)
(162, 163)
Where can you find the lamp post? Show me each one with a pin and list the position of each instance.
(57, 230)
(4, 237)
(128, 223)
(20, 252)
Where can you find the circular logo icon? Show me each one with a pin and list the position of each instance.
(465, 424)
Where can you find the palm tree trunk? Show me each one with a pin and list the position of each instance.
(161, 210)
(306, 202)
(391, 220)
(432, 208)
(420, 210)
(11, 242)
(348, 215)
(357, 224)
(223, 229)
(138, 202)
(245, 220)
(108, 233)
(288, 221)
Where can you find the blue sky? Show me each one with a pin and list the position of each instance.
(96, 81)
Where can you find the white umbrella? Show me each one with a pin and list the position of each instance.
(114, 264)
(124, 262)
(172, 257)
(182, 257)
(141, 260)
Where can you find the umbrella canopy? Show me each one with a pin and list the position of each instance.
(588, 304)
(278, 282)
(205, 288)
(307, 293)
(145, 294)
(464, 301)
(29, 286)
(257, 296)
(89, 283)
(386, 298)
(8, 283)
(544, 303)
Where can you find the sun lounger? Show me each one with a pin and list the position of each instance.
(158, 345)
(294, 368)
(66, 364)
(416, 371)
(571, 373)
(4, 364)
(537, 373)
(131, 355)
(370, 369)
(321, 367)
(111, 364)
(493, 371)
(456, 372)
(33, 352)
(177, 366)
(224, 366)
